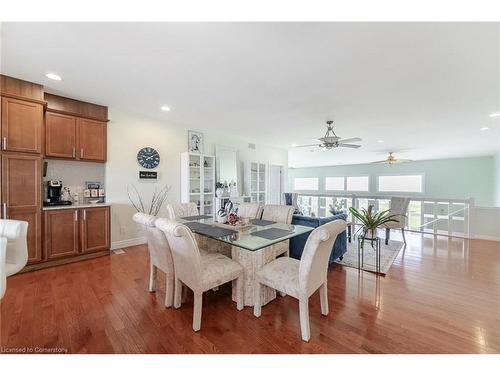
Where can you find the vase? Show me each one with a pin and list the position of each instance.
(219, 192)
(371, 234)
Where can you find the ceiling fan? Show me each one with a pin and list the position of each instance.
(331, 140)
(391, 159)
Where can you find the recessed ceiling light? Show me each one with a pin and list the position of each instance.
(495, 114)
(53, 76)
(484, 128)
(380, 141)
(165, 108)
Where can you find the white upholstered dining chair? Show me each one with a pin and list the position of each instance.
(160, 256)
(300, 279)
(250, 210)
(280, 214)
(16, 255)
(175, 210)
(399, 207)
(3, 275)
(198, 271)
(277, 212)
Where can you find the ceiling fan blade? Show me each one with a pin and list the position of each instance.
(347, 140)
(403, 160)
(317, 144)
(348, 145)
(380, 162)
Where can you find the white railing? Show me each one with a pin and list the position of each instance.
(444, 216)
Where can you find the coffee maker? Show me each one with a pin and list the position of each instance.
(54, 188)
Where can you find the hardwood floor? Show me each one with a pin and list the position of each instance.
(441, 295)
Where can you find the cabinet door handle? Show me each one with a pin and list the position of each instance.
(5, 210)
(76, 215)
(81, 152)
(85, 215)
(4, 141)
(74, 152)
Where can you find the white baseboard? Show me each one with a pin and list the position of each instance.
(488, 238)
(126, 243)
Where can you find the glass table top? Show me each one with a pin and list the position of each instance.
(243, 237)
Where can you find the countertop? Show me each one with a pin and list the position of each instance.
(76, 206)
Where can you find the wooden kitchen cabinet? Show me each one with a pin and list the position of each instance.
(74, 232)
(60, 135)
(61, 233)
(21, 196)
(22, 125)
(92, 139)
(95, 229)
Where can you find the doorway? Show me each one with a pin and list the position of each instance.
(276, 184)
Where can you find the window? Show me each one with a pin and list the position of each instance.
(402, 184)
(334, 183)
(305, 183)
(358, 183)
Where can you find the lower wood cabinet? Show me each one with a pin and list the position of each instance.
(61, 233)
(74, 232)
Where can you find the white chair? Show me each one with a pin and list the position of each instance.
(399, 207)
(279, 213)
(182, 210)
(250, 210)
(199, 272)
(3, 275)
(16, 256)
(160, 255)
(300, 279)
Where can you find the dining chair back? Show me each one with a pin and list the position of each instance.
(250, 210)
(176, 210)
(160, 255)
(316, 255)
(278, 213)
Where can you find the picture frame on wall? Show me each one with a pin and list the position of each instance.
(195, 141)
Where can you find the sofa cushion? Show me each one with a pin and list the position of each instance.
(297, 243)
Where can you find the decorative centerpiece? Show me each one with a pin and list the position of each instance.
(221, 216)
(370, 221)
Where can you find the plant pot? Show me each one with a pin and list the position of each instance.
(371, 234)
(219, 192)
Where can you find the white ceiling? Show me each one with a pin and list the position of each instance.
(425, 88)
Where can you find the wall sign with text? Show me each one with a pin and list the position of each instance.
(148, 175)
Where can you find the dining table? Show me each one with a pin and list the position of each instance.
(252, 245)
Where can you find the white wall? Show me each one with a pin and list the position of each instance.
(127, 134)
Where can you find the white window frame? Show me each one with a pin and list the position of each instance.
(330, 190)
(358, 191)
(402, 193)
(317, 180)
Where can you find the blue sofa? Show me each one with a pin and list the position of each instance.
(297, 243)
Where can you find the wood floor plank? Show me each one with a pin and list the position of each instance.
(440, 296)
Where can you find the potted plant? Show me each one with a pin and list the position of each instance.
(370, 221)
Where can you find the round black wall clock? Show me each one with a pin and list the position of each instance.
(148, 157)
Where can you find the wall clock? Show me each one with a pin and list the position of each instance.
(148, 157)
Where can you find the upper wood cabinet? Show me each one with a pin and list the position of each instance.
(92, 139)
(74, 129)
(22, 124)
(60, 135)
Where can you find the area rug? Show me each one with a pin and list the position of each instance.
(387, 255)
